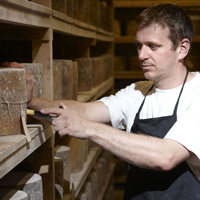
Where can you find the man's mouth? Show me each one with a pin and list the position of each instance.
(146, 67)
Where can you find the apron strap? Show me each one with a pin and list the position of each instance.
(176, 106)
(138, 112)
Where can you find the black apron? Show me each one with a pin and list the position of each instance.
(146, 184)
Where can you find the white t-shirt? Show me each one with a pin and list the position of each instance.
(124, 105)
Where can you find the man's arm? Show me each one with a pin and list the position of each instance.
(88, 110)
(95, 111)
(140, 150)
(137, 149)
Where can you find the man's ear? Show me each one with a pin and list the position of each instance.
(184, 48)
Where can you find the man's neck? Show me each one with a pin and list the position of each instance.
(174, 80)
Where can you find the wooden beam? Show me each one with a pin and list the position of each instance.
(147, 3)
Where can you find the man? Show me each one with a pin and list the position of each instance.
(163, 113)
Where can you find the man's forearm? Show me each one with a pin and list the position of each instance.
(38, 104)
(87, 110)
(137, 149)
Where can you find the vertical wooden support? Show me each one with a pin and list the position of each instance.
(42, 53)
(42, 162)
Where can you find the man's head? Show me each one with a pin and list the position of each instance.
(171, 16)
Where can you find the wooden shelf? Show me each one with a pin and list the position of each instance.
(23, 12)
(26, 20)
(79, 178)
(96, 92)
(131, 39)
(15, 148)
(26, 13)
(147, 3)
(104, 35)
(129, 75)
(68, 25)
(124, 39)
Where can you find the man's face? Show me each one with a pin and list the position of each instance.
(155, 51)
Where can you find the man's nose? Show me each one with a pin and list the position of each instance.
(143, 53)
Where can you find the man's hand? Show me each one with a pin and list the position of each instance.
(29, 85)
(68, 122)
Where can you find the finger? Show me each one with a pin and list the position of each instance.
(57, 120)
(62, 105)
(63, 132)
(56, 111)
(13, 65)
(60, 126)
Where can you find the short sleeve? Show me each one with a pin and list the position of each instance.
(118, 106)
(186, 130)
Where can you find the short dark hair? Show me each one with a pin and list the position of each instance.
(172, 16)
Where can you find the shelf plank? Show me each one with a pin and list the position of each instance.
(15, 148)
(80, 177)
(24, 4)
(96, 92)
(124, 39)
(129, 75)
(104, 35)
(130, 39)
(147, 3)
(25, 13)
(68, 25)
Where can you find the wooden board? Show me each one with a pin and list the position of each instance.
(14, 149)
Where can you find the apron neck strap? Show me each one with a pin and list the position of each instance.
(176, 106)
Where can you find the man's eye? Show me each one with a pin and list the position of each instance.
(138, 46)
(152, 46)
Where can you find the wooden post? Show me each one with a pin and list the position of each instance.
(42, 53)
(42, 162)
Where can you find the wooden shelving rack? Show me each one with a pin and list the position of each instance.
(37, 22)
